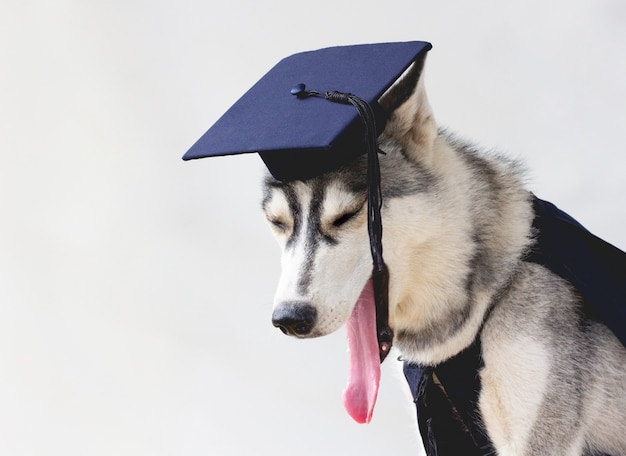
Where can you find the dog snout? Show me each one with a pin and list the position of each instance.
(295, 318)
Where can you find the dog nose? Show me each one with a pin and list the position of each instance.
(294, 318)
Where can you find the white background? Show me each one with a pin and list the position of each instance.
(135, 289)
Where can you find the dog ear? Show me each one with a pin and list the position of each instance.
(410, 118)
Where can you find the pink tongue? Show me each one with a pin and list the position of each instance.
(364, 376)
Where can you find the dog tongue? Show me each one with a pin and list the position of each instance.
(364, 375)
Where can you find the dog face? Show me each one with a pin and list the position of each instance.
(321, 224)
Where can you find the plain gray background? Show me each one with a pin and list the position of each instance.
(135, 289)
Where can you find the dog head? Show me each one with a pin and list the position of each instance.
(321, 223)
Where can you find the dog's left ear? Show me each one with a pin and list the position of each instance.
(410, 118)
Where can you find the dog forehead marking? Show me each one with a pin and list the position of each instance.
(339, 199)
(277, 205)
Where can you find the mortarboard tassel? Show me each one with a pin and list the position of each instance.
(380, 273)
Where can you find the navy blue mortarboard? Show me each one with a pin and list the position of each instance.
(313, 112)
(299, 138)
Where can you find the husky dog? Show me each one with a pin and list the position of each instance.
(457, 225)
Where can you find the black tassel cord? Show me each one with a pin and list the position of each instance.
(380, 273)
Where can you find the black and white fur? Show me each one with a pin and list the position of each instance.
(456, 226)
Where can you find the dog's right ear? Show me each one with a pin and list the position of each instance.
(410, 118)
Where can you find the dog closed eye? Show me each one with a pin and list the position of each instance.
(344, 218)
(278, 224)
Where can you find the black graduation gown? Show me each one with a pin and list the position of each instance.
(597, 270)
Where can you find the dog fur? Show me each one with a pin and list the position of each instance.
(457, 224)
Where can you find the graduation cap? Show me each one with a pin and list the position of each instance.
(300, 136)
(314, 112)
